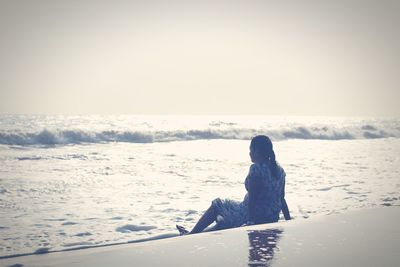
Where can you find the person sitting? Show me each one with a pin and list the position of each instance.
(264, 200)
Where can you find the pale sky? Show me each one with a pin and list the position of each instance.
(337, 58)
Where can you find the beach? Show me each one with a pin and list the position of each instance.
(368, 237)
(70, 182)
(123, 121)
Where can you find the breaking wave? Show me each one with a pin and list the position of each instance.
(64, 137)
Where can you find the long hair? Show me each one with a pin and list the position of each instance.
(263, 145)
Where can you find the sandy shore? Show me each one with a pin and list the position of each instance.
(358, 238)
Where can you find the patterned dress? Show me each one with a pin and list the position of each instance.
(231, 213)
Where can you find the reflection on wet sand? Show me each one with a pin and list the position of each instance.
(263, 244)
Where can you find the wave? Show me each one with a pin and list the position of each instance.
(65, 137)
(48, 137)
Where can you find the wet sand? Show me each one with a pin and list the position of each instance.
(368, 237)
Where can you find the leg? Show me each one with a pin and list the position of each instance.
(208, 218)
(211, 229)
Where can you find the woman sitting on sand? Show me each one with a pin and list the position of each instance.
(265, 198)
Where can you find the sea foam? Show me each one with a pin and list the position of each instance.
(26, 130)
(64, 137)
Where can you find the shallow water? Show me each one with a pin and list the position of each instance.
(62, 196)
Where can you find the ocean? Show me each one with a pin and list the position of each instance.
(77, 181)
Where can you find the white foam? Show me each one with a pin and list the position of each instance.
(63, 137)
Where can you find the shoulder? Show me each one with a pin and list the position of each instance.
(258, 170)
(254, 179)
(255, 170)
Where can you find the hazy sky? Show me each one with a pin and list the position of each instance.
(200, 57)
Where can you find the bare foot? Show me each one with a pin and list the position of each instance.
(182, 230)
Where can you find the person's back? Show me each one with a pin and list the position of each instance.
(269, 186)
(265, 198)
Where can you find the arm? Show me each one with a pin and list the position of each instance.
(285, 208)
(253, 191)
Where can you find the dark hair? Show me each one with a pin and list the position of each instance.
(263, 145)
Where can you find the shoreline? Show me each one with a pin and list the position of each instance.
(353, 238)
(42, 251)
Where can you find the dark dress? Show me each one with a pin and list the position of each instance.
(231, 213)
